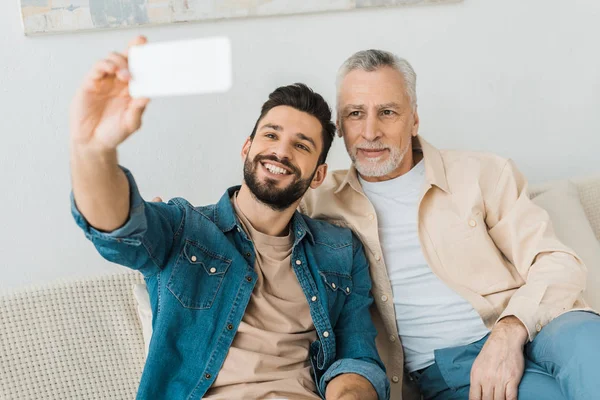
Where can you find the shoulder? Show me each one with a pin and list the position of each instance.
(483, 161)
(327, 234)
(316, 200)
(472, 167)
(207, 212)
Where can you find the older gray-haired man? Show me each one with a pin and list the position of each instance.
(475, 295)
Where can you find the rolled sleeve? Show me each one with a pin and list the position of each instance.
(145, 241)
(133, 229)
(372, 372)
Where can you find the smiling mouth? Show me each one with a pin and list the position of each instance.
(274, 169)
(373, 152)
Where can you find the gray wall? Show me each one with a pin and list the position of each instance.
(520, 78)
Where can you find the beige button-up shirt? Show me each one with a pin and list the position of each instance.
(480, 234)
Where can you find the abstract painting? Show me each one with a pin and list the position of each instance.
(54, 16)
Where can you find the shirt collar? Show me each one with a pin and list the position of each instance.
(226, 219)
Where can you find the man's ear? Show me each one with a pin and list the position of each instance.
(319, 177)
(246, 148)
(338, 126)
(415, 128)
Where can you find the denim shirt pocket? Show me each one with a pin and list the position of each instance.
(338, 286)
(197, 276)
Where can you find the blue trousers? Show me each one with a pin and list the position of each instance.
(561, 363)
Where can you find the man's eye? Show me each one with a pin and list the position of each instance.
(302, 147)
(270, 135)
(354, 114)
(388, 112)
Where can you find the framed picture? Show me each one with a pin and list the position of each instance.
(54, 16)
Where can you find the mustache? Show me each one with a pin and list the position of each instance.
(283, 161)
(371, 146)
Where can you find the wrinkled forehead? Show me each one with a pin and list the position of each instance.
(372, 88)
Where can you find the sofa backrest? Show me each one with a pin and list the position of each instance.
(589, 194)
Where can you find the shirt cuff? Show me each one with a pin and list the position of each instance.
(372, 372)
(133, 229)
(525, 311)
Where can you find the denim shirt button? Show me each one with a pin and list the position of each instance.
(229, 327)
(207, 376)
(298, 262)
(248, 255)
(249, 278)
(314, 298)
(325, 334)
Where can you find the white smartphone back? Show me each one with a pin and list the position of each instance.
(180, 67)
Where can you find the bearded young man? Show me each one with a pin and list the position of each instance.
(250, 299)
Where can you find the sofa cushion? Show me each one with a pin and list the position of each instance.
(76, 339)
(140, 293)
(572, 227)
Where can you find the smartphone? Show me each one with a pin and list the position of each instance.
(179, 68)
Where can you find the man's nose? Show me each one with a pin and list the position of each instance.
(371, 129)
(282, 150)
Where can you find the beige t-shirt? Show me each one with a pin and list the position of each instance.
(268, 358)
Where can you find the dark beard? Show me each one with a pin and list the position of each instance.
(268, 193)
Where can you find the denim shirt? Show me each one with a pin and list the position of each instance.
(198, 264)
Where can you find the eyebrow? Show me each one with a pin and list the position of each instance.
(300, 135)
(354, 107)
(361, 107)
(277, 128)
(389, 105)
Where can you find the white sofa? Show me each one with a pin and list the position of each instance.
(83, 339)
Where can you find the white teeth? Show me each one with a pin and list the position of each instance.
(275, 170)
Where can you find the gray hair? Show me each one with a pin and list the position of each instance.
(371, 60)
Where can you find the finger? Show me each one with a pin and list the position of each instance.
(138, 41)
(487, 391)
(140, 103)
(122, 66)
(512, 390)
(157, 200)
(499, 392)
(475, 392)
(118, 59)
(103, 68)
(133, 115)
